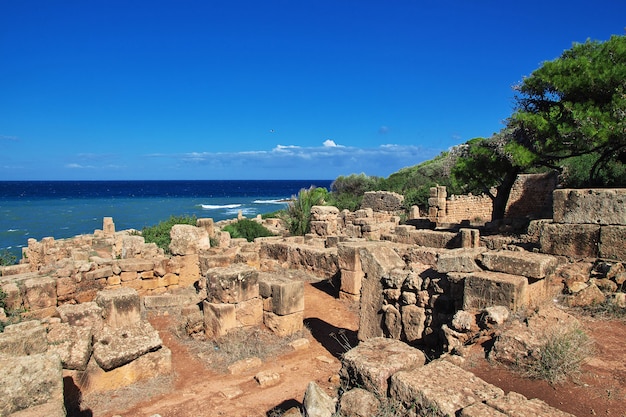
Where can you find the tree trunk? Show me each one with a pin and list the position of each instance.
(504, 191)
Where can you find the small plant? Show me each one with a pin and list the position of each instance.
(7, 258)
(560, 356)
(608, 309)
(248, 229)
(297, 216)
(160, 234)
(342, 339)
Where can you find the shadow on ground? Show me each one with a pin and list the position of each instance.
(336, 340)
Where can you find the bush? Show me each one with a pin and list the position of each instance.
(247, 229)
(560, 356)
(297, 216)
(160, 234)
(7, 258)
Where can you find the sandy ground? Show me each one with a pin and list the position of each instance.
(195, 390)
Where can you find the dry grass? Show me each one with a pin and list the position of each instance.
(241, 344)
(560, 356)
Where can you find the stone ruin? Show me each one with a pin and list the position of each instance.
(83, 301)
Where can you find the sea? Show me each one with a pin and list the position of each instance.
(64, 209)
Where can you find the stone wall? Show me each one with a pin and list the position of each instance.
(531, 196)
(587, 223)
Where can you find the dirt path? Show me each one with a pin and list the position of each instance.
(197, 391)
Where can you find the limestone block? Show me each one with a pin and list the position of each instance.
(317, 403)
(459, 260)
(121, 307)
(267, 378)
(470, 238)
(71, 343)
(135, 265)
(40, 293)
(188, 269)
(528, 264)
(188, 239)
(592, 206)
(287, 297)
(359, 403)
(324, 212)
(147, 366)
(283, 325)
(208, 225)
(114, 347)
(413, 322)
(514, 404)
(392, 321)
(105, 272)
(232, 284)
(126, 276)
(441, 386)
(53, 408)
(13, 300)
(434, 239)
(348, 257)
(484, 289)
(132, 246)
(29, 381)
(108, 227)
(573, 240)
(249, 313)
(613, 242)
(219, 319)
(351, 281)
(372, 362)
(25, 338)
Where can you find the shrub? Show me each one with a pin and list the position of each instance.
(297, 216)
(160, 234)
(560, 356)
(247, 229)
(7, 258)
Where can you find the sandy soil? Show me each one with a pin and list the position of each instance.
(194, 390)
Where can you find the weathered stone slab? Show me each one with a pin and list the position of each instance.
(613, 242)
(378, 259)
(71, 343)
(382, 201)
(528, 264)
(29, 381)
(413, 322)
(480, 410)
(135, 265)
(317, 403)
(484, 289)
(573, 240)
(232, 284)
(25, 338)
(459, 260)
(219, 318)
(372, 362)
(283, 325)
(441, 388)
(249, 313)
(287, 294)
(114, 347)
(150, 365)
(592, 206)
(53, 408)
(514, 404)
(99, 273)
(40, 293)
(121, 307)
(434, 239)
(358, 403)
(188, 239)
(84, 314)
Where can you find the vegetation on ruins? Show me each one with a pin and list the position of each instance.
(7, 258)
(248, 229)
(560, 356)
(160, 233)
(297, 215)
(570, 117)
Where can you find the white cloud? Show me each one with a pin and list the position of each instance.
(78, 166)
(329, 143)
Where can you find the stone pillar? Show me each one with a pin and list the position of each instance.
(108, 227)
(470, 238)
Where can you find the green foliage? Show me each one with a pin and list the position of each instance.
(7, 258)
(160, 234)
(575, 106)
(3, 298)
(347, 191)
(247, 229)
(297, 216)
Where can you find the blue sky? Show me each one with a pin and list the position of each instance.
(292, 89)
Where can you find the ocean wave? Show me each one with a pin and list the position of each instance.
(281, 201)
(217, 206)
